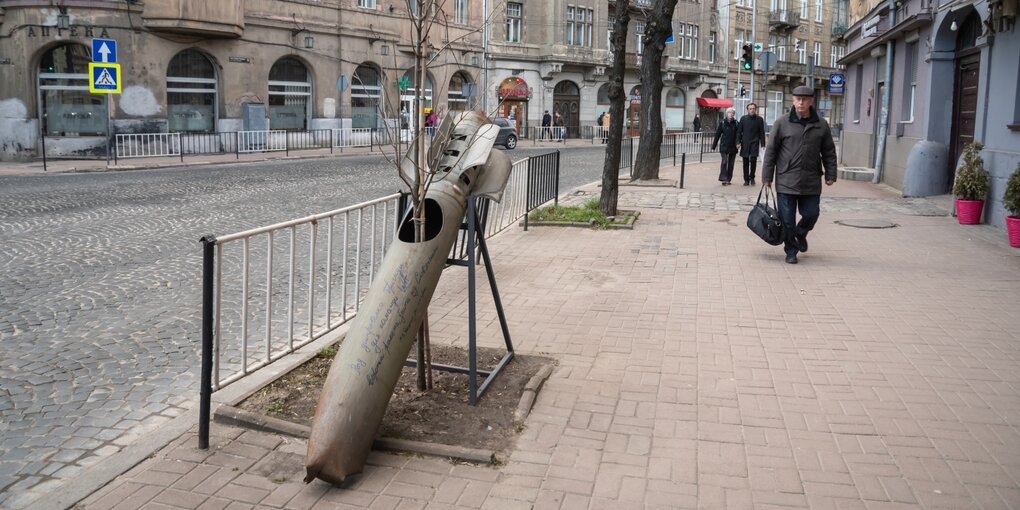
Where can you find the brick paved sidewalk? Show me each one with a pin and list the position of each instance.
(697, 370)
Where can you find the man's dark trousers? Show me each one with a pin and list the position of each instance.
(749, 172)
(788, 205)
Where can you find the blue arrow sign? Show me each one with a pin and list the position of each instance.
(104, 50)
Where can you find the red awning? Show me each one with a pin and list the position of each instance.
(711, 102)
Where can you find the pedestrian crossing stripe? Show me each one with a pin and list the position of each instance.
(104, 78)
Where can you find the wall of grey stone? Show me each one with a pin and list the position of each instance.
(897, 150)
(999, 110)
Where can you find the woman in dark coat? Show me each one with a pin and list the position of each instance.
(726, 140)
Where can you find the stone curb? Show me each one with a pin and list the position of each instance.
(530, 393)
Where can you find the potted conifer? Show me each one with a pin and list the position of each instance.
(1011, 199)
(971, 185)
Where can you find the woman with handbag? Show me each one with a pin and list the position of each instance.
(726, 140)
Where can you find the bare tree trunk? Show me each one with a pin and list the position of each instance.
(646, 165)
(420, 72)
(611, 166)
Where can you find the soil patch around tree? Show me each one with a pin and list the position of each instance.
(441, 415)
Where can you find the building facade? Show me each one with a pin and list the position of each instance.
(805, 36)
(951, 69)
(194, 66)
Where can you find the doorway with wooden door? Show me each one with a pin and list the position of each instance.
(634, 112)
(965, 89)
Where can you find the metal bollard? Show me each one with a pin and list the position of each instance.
(205, 399)
(683, 168)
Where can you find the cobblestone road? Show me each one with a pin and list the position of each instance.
(99, 293)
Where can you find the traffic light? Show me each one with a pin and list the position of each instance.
(743, 91)
(747, 58)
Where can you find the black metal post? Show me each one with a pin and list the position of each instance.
(205, 403)
(331, 141)
(556, 197)
(674, 148)
(237, 144)
(286, 142)
(42, 136)
(701, 148)
(472, 329)
(683, 168)
(180, 147)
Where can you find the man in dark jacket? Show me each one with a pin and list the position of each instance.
(546, 124)
(750, 139)
(801, 145)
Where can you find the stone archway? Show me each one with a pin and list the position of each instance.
(567, 102)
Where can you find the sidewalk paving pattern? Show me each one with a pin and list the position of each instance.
(697, 370)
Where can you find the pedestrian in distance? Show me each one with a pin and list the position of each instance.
(726, 140)
(750, 140)
(605, 127)
(546, 124)
(558, 123)
(697, 124)
(801, 146)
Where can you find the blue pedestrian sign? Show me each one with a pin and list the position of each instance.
(837, 82)
(104, 50)
(104, 78)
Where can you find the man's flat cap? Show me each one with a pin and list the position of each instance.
(804, 90)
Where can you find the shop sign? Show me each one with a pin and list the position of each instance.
(514, 88)
(74, 31)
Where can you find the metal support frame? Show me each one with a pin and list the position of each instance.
(476, 234)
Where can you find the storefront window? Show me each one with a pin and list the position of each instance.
(290, 92)
(675, 111)
(457, 96)
(366, 95)
(191, 93)
(67, 107)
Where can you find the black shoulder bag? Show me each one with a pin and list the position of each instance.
(764, 220)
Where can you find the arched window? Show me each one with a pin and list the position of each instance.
(290, 92)
(676, 100)
(568, 88)
(366, 95)
(67, 107)
(603, 95)
(191, 93)
(459, 96)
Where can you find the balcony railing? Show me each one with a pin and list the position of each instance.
(783, 20)
(839, 29)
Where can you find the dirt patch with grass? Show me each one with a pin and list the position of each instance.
(440, 415)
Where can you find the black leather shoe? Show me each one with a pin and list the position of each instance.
(801, 243)
(752, 182)
(747, 183)
(791, 258)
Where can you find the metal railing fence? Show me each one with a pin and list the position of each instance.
(146, 145)
(261, 141)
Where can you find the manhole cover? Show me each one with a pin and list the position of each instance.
(866, 223)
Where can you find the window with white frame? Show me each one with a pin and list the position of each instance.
(742, 37)
(818, 54)
(569, 33)
(639, 33)
(801, 51)
(68, 109)
(589, 21)
(579, 29)
(711, 47)
(366, 4)
(840, 55)
(803, 9)
(191, 93)
(609, 32)
(290, 93)
(775, 106)
(818, 9)
(514, 15)
(692, 41)
(910, 82)
(832, 56)
(460, 12)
